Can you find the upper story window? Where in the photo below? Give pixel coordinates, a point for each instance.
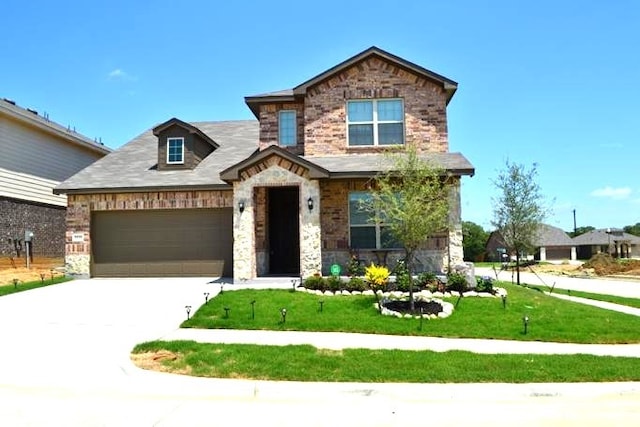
(175, 150)
(375, 122)
(287, 128)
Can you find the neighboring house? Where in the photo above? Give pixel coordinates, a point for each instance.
(551, 244)
(276, 196)
(611, 241)
(37, 154)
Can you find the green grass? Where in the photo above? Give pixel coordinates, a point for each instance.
(11, 289)
(306, 363)
(551, 319)
(631, 302)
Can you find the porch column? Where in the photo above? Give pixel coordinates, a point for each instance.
(244, 254)
(574, 256)
(310, 241)
(543, 253)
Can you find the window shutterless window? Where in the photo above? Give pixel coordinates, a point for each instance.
(363, 232)
(175, 150)
(375, 122)
(287, 127)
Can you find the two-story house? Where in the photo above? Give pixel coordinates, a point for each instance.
(276, 196)
(37, 154)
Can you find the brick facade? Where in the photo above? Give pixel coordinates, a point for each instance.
(269, 125)
(47, 223)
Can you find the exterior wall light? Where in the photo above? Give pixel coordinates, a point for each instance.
(241, 206)
(310, 203)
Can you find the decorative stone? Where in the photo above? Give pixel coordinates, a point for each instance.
(368, 292)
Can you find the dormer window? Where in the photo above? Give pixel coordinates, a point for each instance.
(374, 122)
(175, 151)
(287, 128)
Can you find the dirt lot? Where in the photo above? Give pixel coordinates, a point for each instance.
(17, 269)
(597, 266)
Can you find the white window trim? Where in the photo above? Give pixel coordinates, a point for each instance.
(375, 122)
(181, 162)
(377, 226)
(295, 128)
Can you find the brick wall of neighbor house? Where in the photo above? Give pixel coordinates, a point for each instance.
(334, 214)
(269, 125)
(325, 112)
(46, 222)
(80, 206)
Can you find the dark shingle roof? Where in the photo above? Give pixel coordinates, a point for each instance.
(370, 164)
(133, 166)
(552, 236)
(601, 237)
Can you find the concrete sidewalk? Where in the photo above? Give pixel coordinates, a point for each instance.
(339, 341)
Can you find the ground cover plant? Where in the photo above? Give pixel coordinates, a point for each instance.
(18, 286)
(549, 319)
(307, 363)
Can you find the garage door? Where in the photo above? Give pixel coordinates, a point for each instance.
(158, 243)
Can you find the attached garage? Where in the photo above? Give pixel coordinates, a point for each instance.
(160, 243)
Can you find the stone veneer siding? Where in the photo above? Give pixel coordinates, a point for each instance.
(434, 256)
(250, 257)
(46, 222)
(425, 109)
(80, 207)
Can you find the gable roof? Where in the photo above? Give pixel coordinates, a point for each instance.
(233, 173)
(133, 167)
(188, 127)
(602, 237)
(546, 236)
(287, 95)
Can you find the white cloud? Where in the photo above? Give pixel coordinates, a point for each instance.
(120, 74)
(612, 193)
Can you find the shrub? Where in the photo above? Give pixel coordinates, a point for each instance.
(334, 283)
(376, 276)
(355, 267)
(315, 282)
(484, 284)
(456, 282)
(356, 284)
(427, 279)
(403, 281)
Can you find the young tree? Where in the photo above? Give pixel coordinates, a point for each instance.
(518, 209)
(474, 241)
(411, 200)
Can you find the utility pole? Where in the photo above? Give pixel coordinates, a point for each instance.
(575, 229)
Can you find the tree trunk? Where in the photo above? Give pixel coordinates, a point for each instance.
(518, 267)
(408, 257)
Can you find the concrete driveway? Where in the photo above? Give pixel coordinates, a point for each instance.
(64, 361)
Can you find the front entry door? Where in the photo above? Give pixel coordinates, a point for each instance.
(284, 231)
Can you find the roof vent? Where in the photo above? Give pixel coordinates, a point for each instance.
(31, 110)
(10, 101)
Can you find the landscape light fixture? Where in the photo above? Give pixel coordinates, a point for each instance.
(241, 206)
(42, 276)
(15, 283)
(206, 297)
(321, 304)
(253, 309)
(283, 313)
(293, 284)
(525, 323)
(504, 301)
(226, 312)
(188, 309)
(310, 203)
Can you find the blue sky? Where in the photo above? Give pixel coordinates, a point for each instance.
(555, 83)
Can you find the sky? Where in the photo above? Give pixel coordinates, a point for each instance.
(553, 85)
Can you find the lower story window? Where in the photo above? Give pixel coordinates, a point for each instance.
(363, 231)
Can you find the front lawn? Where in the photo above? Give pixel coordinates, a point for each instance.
(307, 363)
(20, 286)
(550, 319)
